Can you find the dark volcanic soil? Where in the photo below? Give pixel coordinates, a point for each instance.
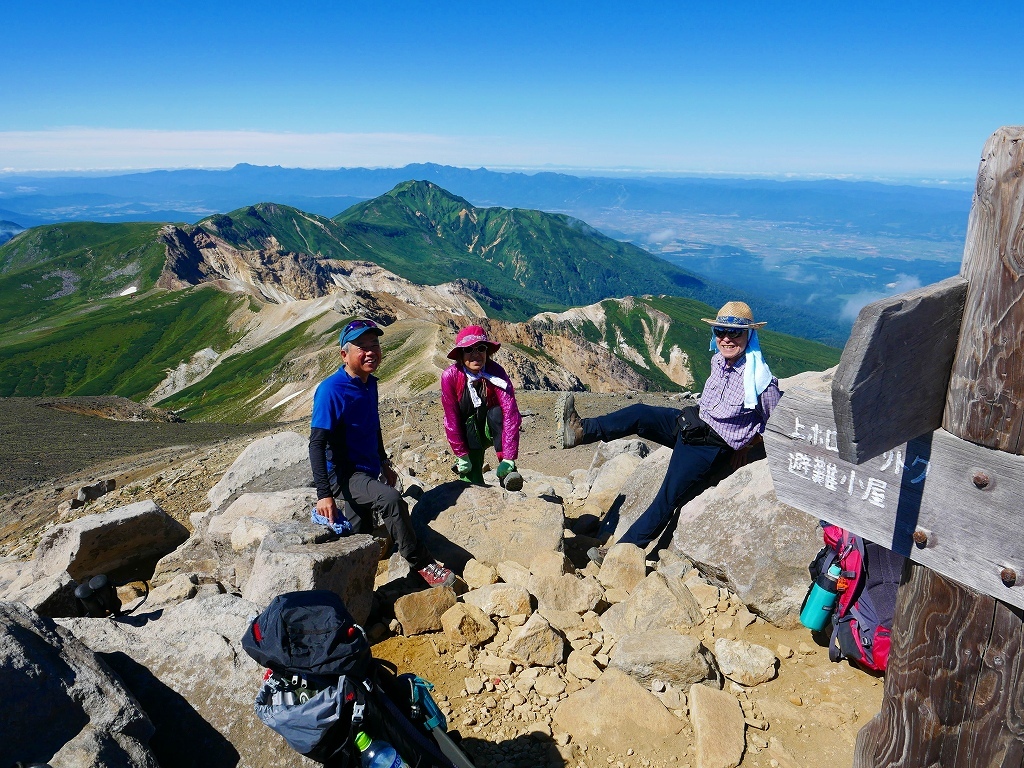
(46, 438)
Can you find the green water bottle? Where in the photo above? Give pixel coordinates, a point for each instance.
(821, 599)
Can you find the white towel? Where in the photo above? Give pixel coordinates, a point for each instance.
(471, 377)
(756, 375)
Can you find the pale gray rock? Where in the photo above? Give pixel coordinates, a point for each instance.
(608, 481)
(184, 586)
(273, 507)
(465, 624)
(62, 704)
(746, 663)
(494, 665)
(606, 452)
(563, 621)
(126, 538)
(477, 574)
(500, 600)
(273, 463)
(566, 592)
(707, 595)
(346, 566)
(657, 602)
(514, 573)
(535, 644)
(718, 725)
(50, 595)
(664, 654)
(624, 567)
(549, 685)
(763, 558)
(420, 612)
(550, 563)
(186, 667)
(620, 714)
(582, 665)
(458, 522)
(640, 488)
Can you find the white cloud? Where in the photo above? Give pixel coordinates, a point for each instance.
(855, 303)
(661, 236)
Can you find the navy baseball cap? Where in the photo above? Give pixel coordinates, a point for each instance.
(357, 328)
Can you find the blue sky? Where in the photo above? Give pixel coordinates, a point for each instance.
(863, 90)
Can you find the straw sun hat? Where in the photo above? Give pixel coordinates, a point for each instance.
(734, 314)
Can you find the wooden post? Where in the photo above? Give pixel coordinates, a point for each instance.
(954, 691)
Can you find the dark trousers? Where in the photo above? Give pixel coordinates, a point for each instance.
(688, 469)
(370, 503)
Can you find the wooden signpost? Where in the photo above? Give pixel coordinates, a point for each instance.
(873, 459)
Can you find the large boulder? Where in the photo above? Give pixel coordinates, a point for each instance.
(62, 704)
(742, 537)
(458, 522)
(345, 566)
(185, 665)
(640, 488)
(621, 715)
(657, 602)
(130, 538)
(273, 463)
(718, 727)
(664, 654)
(273, 507)
(612, 466)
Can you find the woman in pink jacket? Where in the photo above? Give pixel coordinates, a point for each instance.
(480, 409)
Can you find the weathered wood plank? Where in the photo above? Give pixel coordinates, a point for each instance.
(986, 388)
(954, 493)
(891, 382)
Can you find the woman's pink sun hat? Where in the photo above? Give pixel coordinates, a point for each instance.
(470, 336)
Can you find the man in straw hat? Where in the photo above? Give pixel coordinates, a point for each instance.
(737, 400)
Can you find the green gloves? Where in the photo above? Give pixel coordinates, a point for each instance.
(463, 465)
(505, 467)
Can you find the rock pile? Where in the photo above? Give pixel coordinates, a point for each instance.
(555, 656)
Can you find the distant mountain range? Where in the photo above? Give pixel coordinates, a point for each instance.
(190, 195)
(90, 308)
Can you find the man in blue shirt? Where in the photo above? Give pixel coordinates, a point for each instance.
(346, 452)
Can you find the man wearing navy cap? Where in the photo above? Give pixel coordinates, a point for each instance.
(346, 451)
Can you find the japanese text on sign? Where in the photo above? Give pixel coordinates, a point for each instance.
(839, 477)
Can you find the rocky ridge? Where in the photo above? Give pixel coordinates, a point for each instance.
(544, 660)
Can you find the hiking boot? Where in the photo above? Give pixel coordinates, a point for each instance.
(436, 575)
(570, 425)
(597, 554)
(513, 481)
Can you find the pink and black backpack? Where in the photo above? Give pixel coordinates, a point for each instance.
(862, 619)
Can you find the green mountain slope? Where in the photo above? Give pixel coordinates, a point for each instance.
(631, 325)
(48, 270)
(120, 346)
(429, 235)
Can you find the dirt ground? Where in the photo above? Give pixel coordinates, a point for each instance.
(813, 708)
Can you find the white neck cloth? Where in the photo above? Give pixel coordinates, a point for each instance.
(472, 377)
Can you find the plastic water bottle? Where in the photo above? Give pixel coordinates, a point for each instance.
(378, 753)
(821, 599)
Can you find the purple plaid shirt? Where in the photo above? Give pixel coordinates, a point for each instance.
(721, 403)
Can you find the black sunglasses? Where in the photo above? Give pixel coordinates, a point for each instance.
(481, 347)
(731, 333)
(355, 325)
